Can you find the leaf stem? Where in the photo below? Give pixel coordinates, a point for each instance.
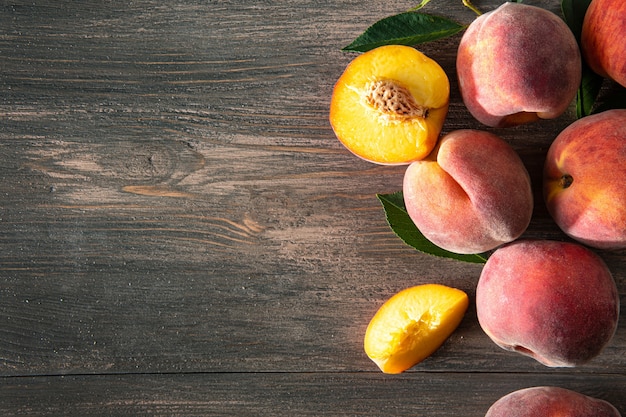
(469, 5)
(419, 6)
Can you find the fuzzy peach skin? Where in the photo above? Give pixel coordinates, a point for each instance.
(602, 38)
(471, 194)
(584, 186)
(548, 401)
(554, 301)
(517, 64)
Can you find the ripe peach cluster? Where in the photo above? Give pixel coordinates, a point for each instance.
(468, 191)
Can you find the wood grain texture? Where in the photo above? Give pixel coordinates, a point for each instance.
(182, 234)
(270, 394)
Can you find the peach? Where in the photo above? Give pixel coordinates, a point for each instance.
(389, 105)
(584, 188)
(554, 301)
(547, 401)
(472, 194)
(518, 64)
(412, 325)
(602, 39)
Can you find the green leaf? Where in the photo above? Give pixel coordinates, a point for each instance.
(588, 91)
(405, 229)
(409, 28)
(574, 15)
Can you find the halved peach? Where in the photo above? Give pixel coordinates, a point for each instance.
(389, 105)
(412, 325)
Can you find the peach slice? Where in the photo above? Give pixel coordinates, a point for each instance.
(412, 325)
(389, 105)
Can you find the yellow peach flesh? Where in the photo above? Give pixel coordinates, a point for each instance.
(389, 105)
(412, 325)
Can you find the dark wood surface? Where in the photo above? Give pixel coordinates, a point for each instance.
(182, 234)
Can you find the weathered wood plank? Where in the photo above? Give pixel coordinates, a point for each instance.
(253, 394)
(174, 201)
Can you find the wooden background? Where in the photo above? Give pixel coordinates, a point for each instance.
(182, 234)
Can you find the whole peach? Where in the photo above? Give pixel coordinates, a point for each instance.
(547, 401)
(584, 188)
(471, 194)
(602, 39)
(517, 64)
(554, 301)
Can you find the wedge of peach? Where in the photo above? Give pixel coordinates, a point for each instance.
(389, 105)
(412, 325)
